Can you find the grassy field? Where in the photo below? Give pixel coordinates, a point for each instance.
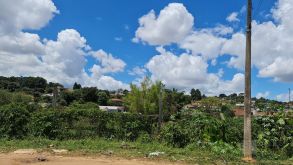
(90, 147)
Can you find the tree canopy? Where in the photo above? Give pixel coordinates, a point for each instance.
(195, 94)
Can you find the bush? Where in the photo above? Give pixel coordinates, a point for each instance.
(276, 133)
(201, 126)
(226, 110)
(9, 98)
(272, 135)
(175, 135)
(13, 121)
(222, 148)
(144, 137)
(75, 123)
(46, 124)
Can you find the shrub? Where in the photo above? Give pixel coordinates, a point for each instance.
(9, 98)
(202, 127)
(144, 137)
(13, 121)
(46, 124)
(275, 133)
(175, 135)
(222, 148)
(272, 135)
(75, 123)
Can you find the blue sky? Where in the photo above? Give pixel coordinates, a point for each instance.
(110, 26)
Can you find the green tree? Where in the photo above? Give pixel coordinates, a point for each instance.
(195, 94)
(68, 96)
(14, 97)
(211, 103)
(145, 99)
(103, 98)
(133, 100)
(222, 96)
(14, 119)
(89, 94)
(76, 86)
(32, 82)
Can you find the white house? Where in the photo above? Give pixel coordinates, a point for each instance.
(112, 108)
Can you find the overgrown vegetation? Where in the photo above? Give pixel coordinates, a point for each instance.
(185, 128)
(210, 127)
(145, 99)
(190, 154)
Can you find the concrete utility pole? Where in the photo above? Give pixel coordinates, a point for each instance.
(289, 105)
(289, 95)
(160, 108)
(247, 144)
(55, 97)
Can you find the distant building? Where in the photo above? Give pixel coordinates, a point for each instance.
(112, 108)
(240, 105)
(193, 105)
(116, 100)
(241, 94)
(239, 111)
(189, 106)
(48, 95)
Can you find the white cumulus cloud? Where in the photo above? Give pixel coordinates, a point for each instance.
(284, 97)
(204, 43)
(188, 71)
(109, 64)
(271, 45)
(233, 17)
(263, 95)
(172, 24)
(62, 60)
(16, 15)
(137, 71)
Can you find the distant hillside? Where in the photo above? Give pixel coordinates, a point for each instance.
(27, 84)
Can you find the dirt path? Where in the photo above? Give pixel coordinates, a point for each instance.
(32, 159)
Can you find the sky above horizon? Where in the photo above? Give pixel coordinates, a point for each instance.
(185, 44)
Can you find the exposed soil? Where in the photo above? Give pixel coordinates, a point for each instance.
(49, 159)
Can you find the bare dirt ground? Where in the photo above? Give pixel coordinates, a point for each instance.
(49, 159)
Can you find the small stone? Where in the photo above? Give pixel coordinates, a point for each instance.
(60, 151)
(109, 152)
(42, 158)
(156, 154)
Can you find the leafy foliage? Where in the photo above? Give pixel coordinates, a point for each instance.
(145, 99)
(195, 94)
(175, 135)
(213, 126)
(16, 97)
(76, 122)
(76, 86)
(276, 134)
(14, 119)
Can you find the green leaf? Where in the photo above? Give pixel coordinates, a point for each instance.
(281, 121)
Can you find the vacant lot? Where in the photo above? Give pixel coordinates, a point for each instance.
(101, 151)
(46, 159)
